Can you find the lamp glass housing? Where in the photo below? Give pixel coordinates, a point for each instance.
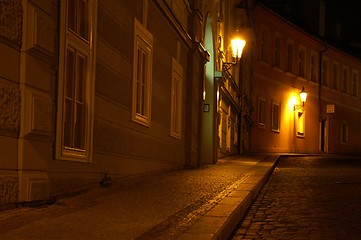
(303, 96)
(237, 47)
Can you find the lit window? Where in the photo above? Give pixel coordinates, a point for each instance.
(276, 116)
(176, 100)
(142, 74)
(76, 79)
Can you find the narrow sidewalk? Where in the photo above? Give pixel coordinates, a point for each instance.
(202, 203)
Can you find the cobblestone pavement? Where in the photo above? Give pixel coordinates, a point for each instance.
(307, 198)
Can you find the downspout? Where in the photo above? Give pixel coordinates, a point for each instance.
(320, 82)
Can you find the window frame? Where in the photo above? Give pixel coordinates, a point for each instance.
(143, 40)
(300, 123)
(276, 125)
(354, 83)
(325, 71)
(261, 112)
(277, 49)
(301, 61)
(176, 97)
(69, 39)
(289, 56)
(345, 79)
(314, 66)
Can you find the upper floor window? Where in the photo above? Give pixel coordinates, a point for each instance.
(301, 62)
(290, 57)
(262, 112)
(176, 100)
(142, 74)
(335, 75)
(354, 83)
(345, 73)
(314, 67)
(276, 116)
(325, 70)
(277, 51)
(76, 79)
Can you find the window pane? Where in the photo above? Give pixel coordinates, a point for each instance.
(68, 123)
(83, 19)
(72, 15)
(69, 81)
(139, 81)
(81, 67)
(79, 126)
(144, 77)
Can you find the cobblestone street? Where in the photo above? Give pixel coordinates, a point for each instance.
(307, 198)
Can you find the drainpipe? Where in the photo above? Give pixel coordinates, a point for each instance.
(320, 82)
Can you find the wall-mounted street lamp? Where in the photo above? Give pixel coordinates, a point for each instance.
(303, 97)
(237, 45)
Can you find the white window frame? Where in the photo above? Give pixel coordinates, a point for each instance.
(143, 41)
(85, 47)
(176, 100)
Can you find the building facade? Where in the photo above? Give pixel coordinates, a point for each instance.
(286, 60)
(102, 88)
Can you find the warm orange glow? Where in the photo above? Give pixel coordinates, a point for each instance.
(237, 47)
(303, 95)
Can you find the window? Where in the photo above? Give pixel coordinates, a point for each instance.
(277, 51)
(276, 116)
(301, 62)
(264, 45)
(354, 83)
(76, 79)
(344, 132)
(325, 72)
(176, 100)
(300, 123)
(313, 67)
(335, 75)
(345, 73)
(262, 112)
(289, 57)
(142, 74)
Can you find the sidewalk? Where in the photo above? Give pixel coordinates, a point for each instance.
(202, 203)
